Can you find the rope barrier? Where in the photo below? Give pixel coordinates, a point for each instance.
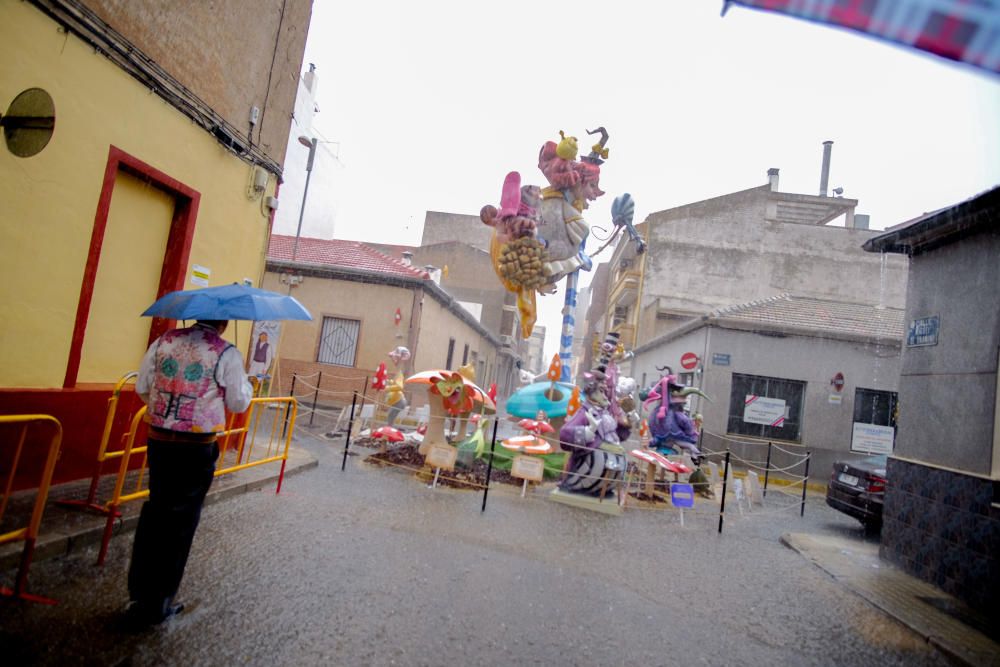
(629, 487)
(750, 464)
(789, 452)
(754, 443)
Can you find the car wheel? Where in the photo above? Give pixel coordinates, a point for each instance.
(872, 528)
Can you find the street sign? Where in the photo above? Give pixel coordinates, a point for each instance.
(682, 495)
(689, 360)
(720, 359)
(923, 331)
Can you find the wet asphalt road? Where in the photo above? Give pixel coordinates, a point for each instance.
(371, 567)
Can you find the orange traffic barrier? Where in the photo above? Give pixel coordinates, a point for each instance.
(29, 533)
(90, 502)
(240, 436)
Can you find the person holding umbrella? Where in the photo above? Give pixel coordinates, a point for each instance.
(188, 378)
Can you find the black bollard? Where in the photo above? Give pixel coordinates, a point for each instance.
(350, 425)
(725, 479)
(489, 466)
(767, 469)
(319, 381)
(805, 483)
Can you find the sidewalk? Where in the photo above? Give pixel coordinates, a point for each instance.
(65, 529)
(942, 620)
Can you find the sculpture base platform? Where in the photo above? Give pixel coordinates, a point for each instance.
(609, 505)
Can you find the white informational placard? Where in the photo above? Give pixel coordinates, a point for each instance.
(767, 411)
(200, 275)
(872, 438)
(442, 456)
(527, 467)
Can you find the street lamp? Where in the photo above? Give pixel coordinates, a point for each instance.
(311, 145)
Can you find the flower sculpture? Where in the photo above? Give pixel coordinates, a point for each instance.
(456, 396)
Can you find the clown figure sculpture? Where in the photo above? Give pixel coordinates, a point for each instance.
(593, 436)
(540, 233)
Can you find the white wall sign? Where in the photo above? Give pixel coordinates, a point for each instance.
(767, 411)
(200, 275)
(872, 438)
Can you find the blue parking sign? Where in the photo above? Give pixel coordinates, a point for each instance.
(682, 495)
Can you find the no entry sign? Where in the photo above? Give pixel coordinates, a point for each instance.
(689, 360)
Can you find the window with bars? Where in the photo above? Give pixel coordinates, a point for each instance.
(792, 392)
(872, 406)
(338, 343)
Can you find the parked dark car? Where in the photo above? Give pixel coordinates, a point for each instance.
(857, 488)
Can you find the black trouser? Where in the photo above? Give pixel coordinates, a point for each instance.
(179, 476)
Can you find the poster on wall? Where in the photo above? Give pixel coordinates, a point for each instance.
(763, 410)
(263, 346)
(872, 438)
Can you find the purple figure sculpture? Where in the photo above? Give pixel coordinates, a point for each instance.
(593, 436)
(669, 426)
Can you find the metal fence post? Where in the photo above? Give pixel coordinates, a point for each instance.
(725, 479)
(350, 425)
(489, 466)
(805, 483)
(291, 392)
(767, 469)
(319, 381)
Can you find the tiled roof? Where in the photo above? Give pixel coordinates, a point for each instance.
(337, 252)
(808, 314)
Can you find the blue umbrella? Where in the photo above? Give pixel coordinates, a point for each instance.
(228, 302)
(553, 397)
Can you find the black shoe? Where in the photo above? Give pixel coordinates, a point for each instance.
(141, 616)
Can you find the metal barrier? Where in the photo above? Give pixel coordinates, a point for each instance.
(29, 533)
(89, 503)
(241, 436)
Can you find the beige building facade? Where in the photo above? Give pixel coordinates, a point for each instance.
(743, 247)
(364, 305)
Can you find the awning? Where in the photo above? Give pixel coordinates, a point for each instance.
(964, 30)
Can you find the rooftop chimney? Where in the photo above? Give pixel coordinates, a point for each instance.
(407, 258)
(434, 273)
(772, 178)
(309, 78)
(861, 221)
(824, 176)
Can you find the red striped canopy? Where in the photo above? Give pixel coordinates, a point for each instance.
(964, 30)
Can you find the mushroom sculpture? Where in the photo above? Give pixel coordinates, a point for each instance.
(387, 434)
(531, 443)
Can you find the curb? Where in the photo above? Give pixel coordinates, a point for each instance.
(858, 566)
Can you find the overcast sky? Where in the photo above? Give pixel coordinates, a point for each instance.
(432, 103)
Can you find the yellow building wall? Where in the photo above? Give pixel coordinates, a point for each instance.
(50, 200)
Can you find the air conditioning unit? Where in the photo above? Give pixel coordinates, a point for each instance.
(507, 340)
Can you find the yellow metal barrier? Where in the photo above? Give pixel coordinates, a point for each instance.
(89, 503)
(240, 436)
(29, 533)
